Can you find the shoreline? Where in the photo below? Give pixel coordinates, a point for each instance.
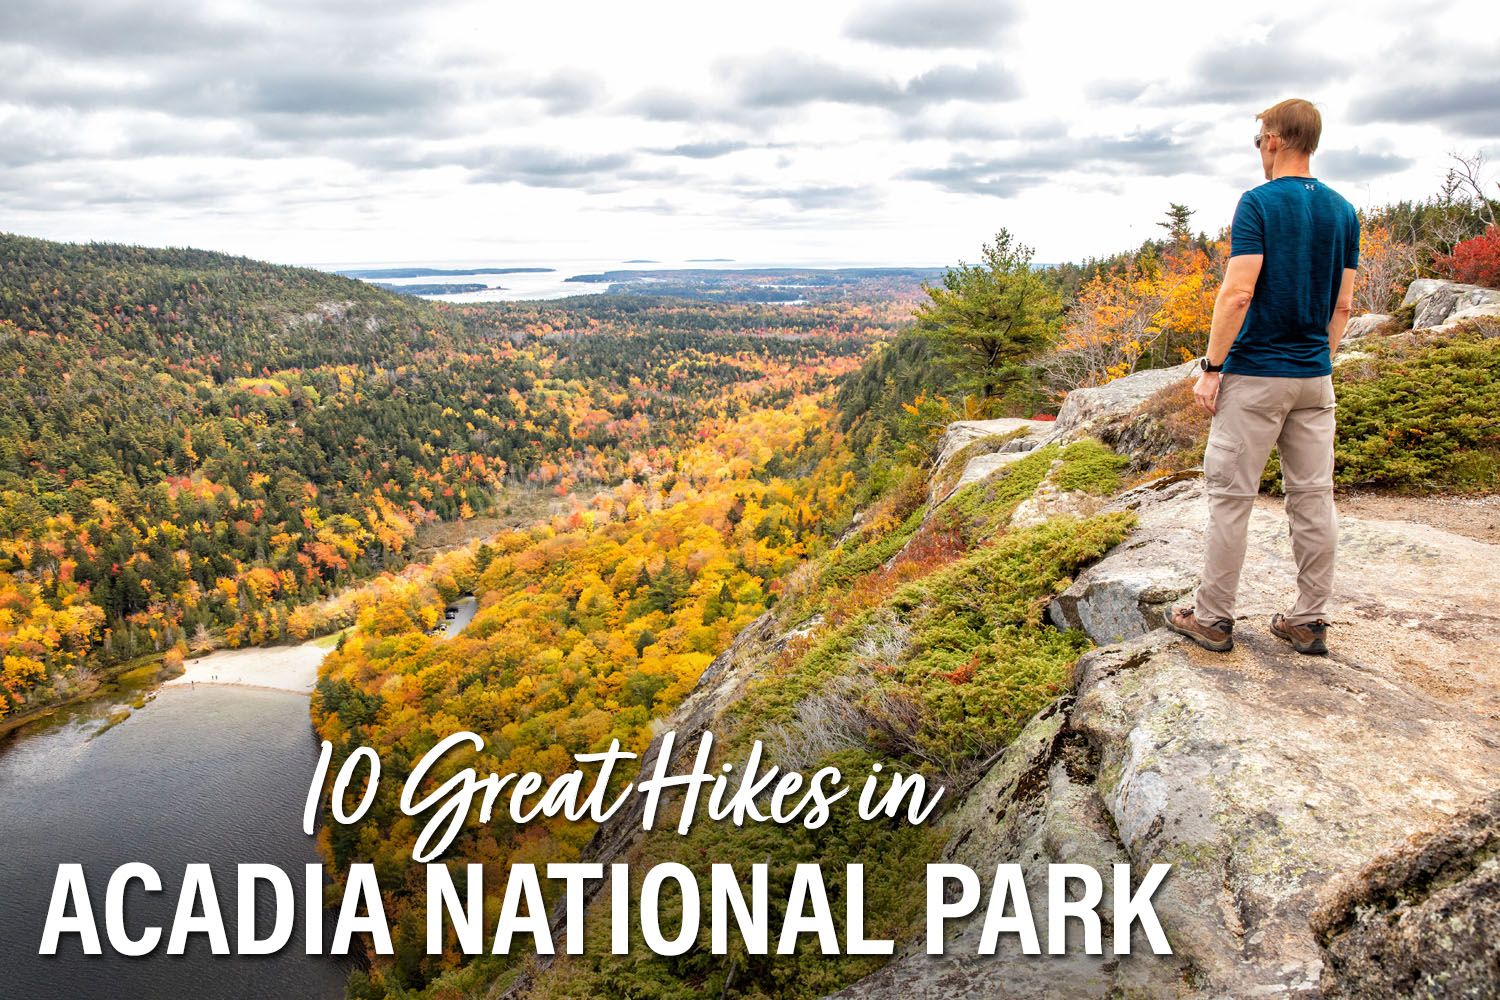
(276, 668)
(110, 683)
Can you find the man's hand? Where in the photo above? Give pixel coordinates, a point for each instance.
(1206, 391)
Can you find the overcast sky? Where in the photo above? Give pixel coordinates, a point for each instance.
(901, 131)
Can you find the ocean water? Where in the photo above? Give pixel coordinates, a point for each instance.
(554, 284)
(205, 774)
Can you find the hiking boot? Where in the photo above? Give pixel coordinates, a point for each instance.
(1218, 637)
(1311, 638)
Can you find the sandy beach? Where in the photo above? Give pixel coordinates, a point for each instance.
(283, 668)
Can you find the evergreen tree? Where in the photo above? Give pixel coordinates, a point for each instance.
(1178, 223)
(988, 319)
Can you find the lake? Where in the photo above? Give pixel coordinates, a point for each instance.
(200, 774)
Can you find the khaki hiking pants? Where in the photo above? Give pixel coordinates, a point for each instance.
(1254, 413)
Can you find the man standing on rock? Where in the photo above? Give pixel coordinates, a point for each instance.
(1268, 379)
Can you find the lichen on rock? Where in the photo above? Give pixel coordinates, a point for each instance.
(1420, 920)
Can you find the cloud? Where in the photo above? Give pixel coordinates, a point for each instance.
(329, 92)
(814, 197)
(193, 78)
(985, 82)
(1158, 151)
(174, 79)
(757, 93)
(1162, 150)
(968, 127)
(789, 79)
(565, 92)
(544, 167)
(239, 86)
(272, 95)
(1116, 90)
(1357, 165)
(94, 29)
(966, 174)
(786, 80)
(372, 119)
(79, 186)
(657, 206)
(1469, 105)
(933, 24)
(705, 150)
(1255, 70)
(31, 139)
(662, 105)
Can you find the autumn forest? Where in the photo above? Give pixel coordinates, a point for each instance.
(196, 448)
(200, 451)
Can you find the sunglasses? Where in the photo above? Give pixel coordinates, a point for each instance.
(1262, 135)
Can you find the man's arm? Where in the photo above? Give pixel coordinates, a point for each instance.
(1230, 307)
(1232, 303)
(1341, 312)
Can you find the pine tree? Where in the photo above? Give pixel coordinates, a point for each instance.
(989, 318)
(1178, 222)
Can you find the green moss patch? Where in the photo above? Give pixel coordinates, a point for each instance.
(949, 667)
(980, 510)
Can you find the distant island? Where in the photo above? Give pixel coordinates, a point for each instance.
(764, 284)
(437, 288)
(809, 275)
(640, 260)
(438, 272)
(707, 260)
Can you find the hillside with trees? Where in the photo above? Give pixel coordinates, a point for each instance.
(194, 446)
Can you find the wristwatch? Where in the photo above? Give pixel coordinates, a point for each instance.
(1207, 366)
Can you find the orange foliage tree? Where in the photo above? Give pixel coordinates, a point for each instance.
(1386, 267)
(590, 625)
(1149, 312)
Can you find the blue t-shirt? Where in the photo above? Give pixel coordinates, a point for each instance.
(1308, 234)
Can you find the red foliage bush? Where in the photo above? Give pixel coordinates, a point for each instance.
(1476, 261)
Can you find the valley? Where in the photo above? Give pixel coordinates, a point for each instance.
(849, 532)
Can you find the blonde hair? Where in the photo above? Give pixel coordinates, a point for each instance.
(1296, 122)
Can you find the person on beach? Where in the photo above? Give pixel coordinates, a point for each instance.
(1267, 379)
